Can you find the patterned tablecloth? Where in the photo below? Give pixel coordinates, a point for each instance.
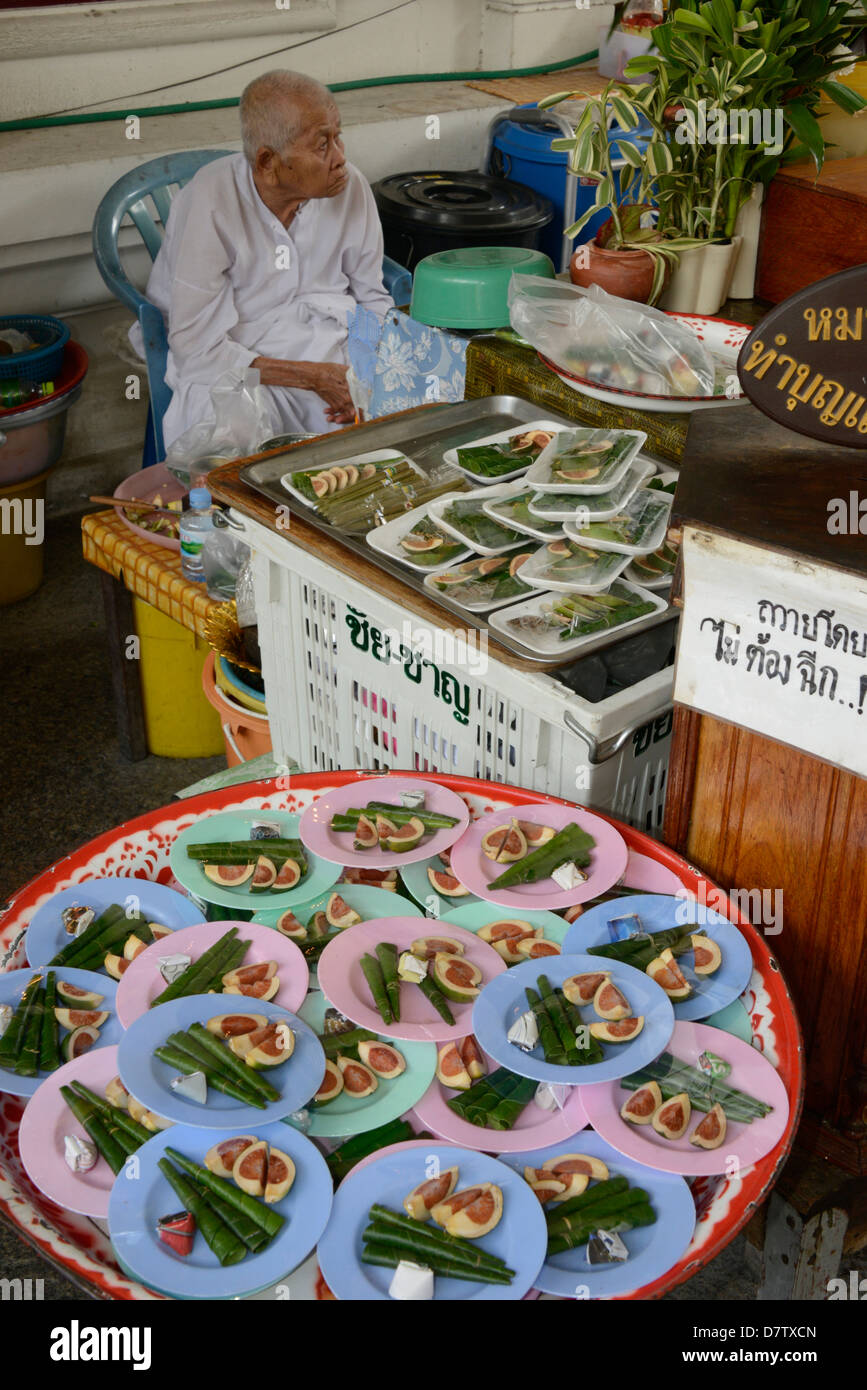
(150, 571)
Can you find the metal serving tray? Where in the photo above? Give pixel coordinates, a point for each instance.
(424, 436)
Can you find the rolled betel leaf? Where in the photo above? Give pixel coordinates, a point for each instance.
(386, 954)
(431, 992)
(12, 1040)
(87, 1115)
(224, 1243)
(49, 1051)
(267, 1218)
(376, 980)
(548, 1037)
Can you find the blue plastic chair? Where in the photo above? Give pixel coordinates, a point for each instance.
(156, 182)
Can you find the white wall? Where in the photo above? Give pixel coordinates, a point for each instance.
(95, 58)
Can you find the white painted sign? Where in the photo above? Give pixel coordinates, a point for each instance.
(775, 644)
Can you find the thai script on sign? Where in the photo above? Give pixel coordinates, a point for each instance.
(800, 381)
(817, 677)
(387, 647)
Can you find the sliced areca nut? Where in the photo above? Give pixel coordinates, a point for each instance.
(420, 1202)
(339, 913)
(585, 1164)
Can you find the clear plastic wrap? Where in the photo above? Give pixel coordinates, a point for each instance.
(612, 342)
(242, 420)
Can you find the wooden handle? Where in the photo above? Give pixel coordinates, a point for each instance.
(128, 502)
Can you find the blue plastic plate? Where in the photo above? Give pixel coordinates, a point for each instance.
(658, 913)
(136, 1204)
(46, 934)
(148, 1079)
(652, 1249)
(503, 1000)
(519, 1238)
(13, 984)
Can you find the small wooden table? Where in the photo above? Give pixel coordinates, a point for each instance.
(130, 565)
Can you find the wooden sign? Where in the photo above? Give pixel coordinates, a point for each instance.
(775, 644)
(805, 365)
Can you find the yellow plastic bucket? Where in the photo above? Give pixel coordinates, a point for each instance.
(179, 722)
(22, 524)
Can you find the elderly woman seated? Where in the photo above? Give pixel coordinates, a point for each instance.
(266, 254)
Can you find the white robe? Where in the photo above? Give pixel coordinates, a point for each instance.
(234, 284)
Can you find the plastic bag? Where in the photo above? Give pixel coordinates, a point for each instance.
(17, 342)
(242, 420)
(224, 554)
(614, 343)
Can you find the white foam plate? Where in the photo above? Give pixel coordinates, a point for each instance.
(387, 539)
(451, 455)
(548, 643)
(539, 475)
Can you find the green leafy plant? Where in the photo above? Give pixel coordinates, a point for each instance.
(764, 55)
(633, 224)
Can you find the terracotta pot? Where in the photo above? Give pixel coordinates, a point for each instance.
(628, 274)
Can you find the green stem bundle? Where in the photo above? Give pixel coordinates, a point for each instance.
(198, 973)
(12, 1040)
(386, 954)
(372, 971)
(266, 1218)
(183, 1062)
(227, 1247)
(96, 1129)
(673, 1076)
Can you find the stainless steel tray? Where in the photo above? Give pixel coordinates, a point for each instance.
(424, 437)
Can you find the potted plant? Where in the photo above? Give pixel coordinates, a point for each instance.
(770, 65)
(633, 252)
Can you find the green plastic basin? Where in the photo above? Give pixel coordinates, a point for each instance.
(469, 287)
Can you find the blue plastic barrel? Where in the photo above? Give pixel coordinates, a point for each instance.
(523, 153)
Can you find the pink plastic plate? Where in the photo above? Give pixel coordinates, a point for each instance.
(607, 866)
(145, 485)
(316, 833)
(47, 1120)
(341, 979)
(142, 982)
(535, 1127)
(746, 1143)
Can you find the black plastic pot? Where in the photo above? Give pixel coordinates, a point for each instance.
(430, 211)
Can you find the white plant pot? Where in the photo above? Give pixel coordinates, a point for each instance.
(700, 281)
(748, 226)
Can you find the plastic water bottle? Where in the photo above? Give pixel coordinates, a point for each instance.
(195, 523)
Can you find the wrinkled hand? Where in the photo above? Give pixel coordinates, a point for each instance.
(328, 380)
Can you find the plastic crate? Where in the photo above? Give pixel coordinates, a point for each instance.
(344, 690)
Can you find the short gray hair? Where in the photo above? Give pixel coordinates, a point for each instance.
(272, 109)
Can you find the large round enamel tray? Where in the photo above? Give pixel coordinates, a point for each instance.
(84, 1254)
